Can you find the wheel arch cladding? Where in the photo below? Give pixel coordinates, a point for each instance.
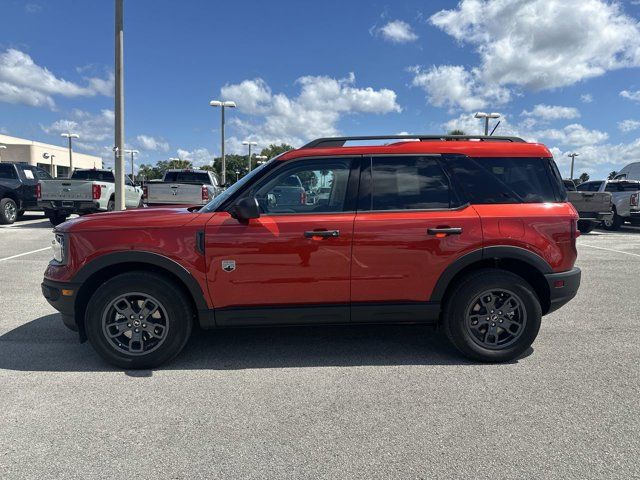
(95, 273)
(526, 264)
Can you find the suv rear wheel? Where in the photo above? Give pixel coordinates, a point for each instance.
(138, 320)
(492, 315)
(8, 211)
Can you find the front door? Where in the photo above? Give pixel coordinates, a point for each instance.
(410, 226)
(297, 254)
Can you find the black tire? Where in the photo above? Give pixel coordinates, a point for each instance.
(111, 205)
(461, 301)
(8, 211)
(586, 226)
(101, 316)
(614, 224)
(57, 218)
(140, 203)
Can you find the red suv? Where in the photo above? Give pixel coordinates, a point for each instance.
(470, 233)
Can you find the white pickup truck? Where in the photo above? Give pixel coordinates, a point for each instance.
(182, 187)
(624, 194)
(87, 191)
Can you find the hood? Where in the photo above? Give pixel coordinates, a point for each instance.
(131, 219)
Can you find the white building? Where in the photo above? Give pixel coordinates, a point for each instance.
(52, 158)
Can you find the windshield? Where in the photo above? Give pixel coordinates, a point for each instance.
(213, 205)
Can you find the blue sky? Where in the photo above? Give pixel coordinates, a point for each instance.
(561, 72)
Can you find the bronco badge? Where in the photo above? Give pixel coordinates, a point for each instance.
(228, 265)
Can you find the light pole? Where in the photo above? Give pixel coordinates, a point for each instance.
(260, 159)
(573, 159)
(246, 142)
(486, 117)
(119, 107)
(237, 175)
(2, 147)
(132, 153)
(51, 168)
(69, 136)
(222, 105)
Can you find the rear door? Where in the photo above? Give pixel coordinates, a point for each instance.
(409, 227)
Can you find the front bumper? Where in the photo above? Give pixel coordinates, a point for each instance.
(563, 287)
(62, 297)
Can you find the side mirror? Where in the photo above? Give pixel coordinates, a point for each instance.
(246, 209)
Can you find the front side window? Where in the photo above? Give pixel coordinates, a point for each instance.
(7, 172)
(505, 179)
(307, 186)
(409, 183)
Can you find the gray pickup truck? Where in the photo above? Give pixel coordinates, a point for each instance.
(594, 208)
(624, 196)
(182, 187)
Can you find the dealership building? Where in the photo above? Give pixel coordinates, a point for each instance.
(52, 158)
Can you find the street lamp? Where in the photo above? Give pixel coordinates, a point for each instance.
(573, 158)
(2, 147)
(237, 175)
(260, 159)
(222, 105)
(132, 153)
(486, 117)
(69, 136)
(46, 156)
(246, 142)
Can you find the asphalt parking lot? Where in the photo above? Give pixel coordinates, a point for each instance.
(325, 402)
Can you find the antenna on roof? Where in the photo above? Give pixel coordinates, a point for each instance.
(494, 128)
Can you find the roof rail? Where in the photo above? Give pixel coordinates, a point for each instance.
(340, 141)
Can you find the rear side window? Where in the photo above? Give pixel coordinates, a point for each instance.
(7, 172)
(507, 179)
(409, 183)
(93, 175)
(35, 172)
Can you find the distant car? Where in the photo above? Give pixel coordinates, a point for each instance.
(624, 196)
(593, 207)
(182, 187)
(87, 191)
(288, 192)
(18, 184)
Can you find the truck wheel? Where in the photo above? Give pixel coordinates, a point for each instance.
(613, 224)
(140, 203)
(585, 226)
(492, 315)
(111, 205)
(138, 320)
(8, 211)
(57, 218)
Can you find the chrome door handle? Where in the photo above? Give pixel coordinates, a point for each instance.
(445, 230)
(322, 233)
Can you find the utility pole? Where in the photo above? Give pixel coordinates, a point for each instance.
(69, 136)
(246, 142)
(573, 159)
(119, 107)
(486, 117)
(222, 105)
(132, 152)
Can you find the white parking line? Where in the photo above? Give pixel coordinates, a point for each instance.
(25, 253)
(609, 249)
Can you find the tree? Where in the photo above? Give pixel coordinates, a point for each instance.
(149, 172)
(612, 174)
(456, 132)
(584, 177)
(273, 150)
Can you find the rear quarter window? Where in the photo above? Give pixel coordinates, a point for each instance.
(508, 179)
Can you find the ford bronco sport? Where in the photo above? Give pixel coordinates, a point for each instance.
(470, 233)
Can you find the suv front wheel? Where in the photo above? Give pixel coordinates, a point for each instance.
(138, 320)
(492, 315)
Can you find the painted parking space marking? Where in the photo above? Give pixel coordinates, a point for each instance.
(25, 253)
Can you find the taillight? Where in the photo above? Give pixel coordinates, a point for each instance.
(633, 201)
(38, 191)
(205, 193)
(303, 198)
(145, 192)
(96, 192)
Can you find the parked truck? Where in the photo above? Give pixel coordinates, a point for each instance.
(18, 183)
(182, 187)
(87, 191)
(594, 208)
(624, 196)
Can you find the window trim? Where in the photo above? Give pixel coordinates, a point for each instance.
(350, 195)
(366, 178)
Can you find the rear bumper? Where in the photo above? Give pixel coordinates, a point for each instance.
(69, 206)
(562, 287)
(595, 216)
(63, 301)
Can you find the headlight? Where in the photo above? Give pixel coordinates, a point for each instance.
(58, 245)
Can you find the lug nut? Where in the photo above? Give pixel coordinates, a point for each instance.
(493, 324)
(129, 325)
(137, 330)
(132, 316)
(140, 317)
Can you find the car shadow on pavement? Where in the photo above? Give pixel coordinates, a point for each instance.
(45, 344)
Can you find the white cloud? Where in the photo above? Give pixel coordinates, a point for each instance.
(147, 142)
(631, 95)
(314, 112)
(629, 125)
(453, 86)
(23, 81)
(91, 128)
(396, 31)
(199, 156)
(586, 98)
(551, 112)
(574, 135)
(541, 44)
